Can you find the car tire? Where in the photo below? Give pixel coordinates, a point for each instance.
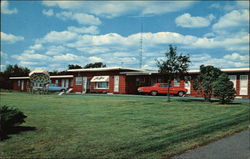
(63, 90)
(153, 93)
(181, 94)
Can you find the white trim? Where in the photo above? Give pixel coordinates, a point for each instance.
(102, 69)
(61, 76)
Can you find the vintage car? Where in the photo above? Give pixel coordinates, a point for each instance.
(162, 88)
(55, 88)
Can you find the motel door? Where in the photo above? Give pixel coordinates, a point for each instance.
(63, 83)
(188, 86)
(22, 85)
(67, 83)
(243, 84)
(84, 84)
(116, 83)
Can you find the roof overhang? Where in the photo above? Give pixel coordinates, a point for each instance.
(103, 69)
(60, 76)
(100, 79)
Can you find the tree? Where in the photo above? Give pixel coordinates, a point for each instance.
(223, 89)
(72, 66)
(174, 67)
(95, 65)
(204, 82)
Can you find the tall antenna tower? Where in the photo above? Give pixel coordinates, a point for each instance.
(141, 40)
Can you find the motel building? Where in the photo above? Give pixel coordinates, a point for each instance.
(118, 80)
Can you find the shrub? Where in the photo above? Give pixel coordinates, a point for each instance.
(223, 89)
(10, 117)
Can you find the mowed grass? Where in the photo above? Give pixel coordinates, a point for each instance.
(92, 126)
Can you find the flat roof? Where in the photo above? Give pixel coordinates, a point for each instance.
(102, 69)
(59, 76)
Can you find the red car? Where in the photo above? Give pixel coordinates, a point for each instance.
(162, 88)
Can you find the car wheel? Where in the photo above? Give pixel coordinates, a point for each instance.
(154, 93)
(181, 94)
(63, 90)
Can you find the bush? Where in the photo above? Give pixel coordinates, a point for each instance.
(223, 89)
(10, 118)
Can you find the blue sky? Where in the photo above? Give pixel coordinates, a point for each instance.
(50, 35)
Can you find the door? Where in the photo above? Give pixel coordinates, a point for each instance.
(63, 83)
(116, 83)
(243, 84)
(84, 84)
(188, 86)
(22, 85)
(67, 83)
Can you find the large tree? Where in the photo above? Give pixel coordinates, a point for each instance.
(95, 65)
(174, 67)
(204, 82)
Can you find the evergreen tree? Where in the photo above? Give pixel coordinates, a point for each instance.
(223, 89)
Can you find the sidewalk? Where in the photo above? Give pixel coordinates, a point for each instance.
(236, 146)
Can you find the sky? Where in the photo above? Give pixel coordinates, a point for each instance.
(50, 35)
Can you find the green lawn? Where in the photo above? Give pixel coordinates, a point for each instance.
(91, 126)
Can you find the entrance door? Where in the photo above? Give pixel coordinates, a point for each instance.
(116, 83)
(188, 86)
(243, 84)
(84, 84)
(63, 83)
(67, 83)
(22, 85)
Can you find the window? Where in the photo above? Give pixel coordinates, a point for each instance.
(56, 82)
(176, 83)
(164, 85)
(233, 79)
(78, 80)
(101, 85)
(18, 83)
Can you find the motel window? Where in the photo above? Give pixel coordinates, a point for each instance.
(71, 83)
(233, 79)
(56, 81)
(176, 83)
(101, 85)
(78, 80)
(18, 83)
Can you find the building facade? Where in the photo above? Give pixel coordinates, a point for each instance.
(118, 80)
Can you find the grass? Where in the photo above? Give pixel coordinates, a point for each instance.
(92, 126)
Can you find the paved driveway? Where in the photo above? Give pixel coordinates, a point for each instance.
(232, 147)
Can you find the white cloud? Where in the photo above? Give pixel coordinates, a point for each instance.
(81, 18)
(95, 59)
(236, 18)
(112, 9)
(84, 30)
(10, 38)
(227, 61)
(58, 37)
(48, 12)
(187, 21)
(30, 56)
(5, 8)
(55, 50)
(236, 56)
(65, 57)
(36, 47)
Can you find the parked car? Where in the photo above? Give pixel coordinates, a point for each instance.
(162, 88)
(55, 88)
